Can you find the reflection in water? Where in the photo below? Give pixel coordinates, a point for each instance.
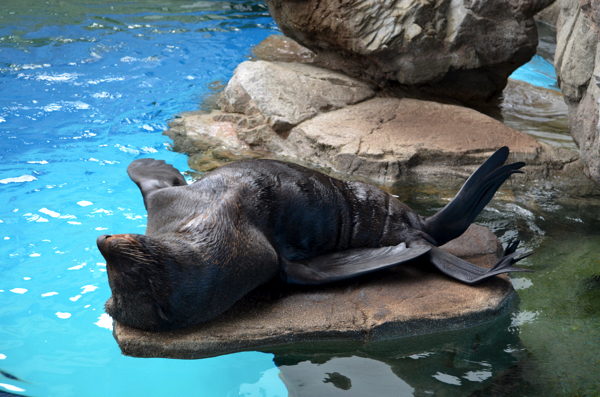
(520, 282)
(92, 85)
(268, 384)
(549, 342)
(338, 380)
(536, 111)
(449, 379)
(416, 366)
(343, 376)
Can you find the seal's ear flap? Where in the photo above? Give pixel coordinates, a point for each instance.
(151, 175)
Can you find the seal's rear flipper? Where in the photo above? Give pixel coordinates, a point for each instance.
(151, 175)
(476, 193)
(469, 273)
(349, 263)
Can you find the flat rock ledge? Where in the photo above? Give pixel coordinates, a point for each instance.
(409, 300)
(318, 117)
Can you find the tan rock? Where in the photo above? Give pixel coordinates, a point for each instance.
(408, 300)
(286, 94)
(307, 114)
(278, 48)
(384, 138)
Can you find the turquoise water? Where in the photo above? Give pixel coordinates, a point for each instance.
(87, 87)
(539, 72)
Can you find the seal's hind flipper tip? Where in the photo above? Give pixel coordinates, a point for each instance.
(469, 273)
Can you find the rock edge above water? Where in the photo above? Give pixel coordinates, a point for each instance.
(283, 106)
(409, 300)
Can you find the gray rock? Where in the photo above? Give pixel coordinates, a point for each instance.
(410, 300)
(577, 63)
(381, 139)
(286, 94)
(278, 48)
(461, 49)
(549, 15)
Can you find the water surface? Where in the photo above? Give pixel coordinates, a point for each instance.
(88, 86)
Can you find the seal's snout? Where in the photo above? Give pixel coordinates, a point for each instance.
(118, 244)
(102, 243)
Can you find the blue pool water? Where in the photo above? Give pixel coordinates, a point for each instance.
(538, 72)
(83, 96)
(87, 87)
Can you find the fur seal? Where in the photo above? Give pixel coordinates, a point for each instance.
(209, 243)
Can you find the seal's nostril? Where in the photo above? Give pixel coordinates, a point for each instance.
(102, 239)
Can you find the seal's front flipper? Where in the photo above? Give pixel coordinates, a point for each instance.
(469, 273)
(151, 175)
(349, 263)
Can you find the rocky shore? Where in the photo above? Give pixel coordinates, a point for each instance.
(387, 94)
(304, 113)
(577, 64)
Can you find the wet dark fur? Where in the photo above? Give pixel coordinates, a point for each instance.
(209, 243)
(226, 234)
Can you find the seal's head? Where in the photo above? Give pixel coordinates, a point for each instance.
(140, 277)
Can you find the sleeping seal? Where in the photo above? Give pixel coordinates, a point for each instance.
(210, 243)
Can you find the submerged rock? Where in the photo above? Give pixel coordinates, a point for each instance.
(460, 49)
(411, 299)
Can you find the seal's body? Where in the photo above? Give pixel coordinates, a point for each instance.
(209, 243)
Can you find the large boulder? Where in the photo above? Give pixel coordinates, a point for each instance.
(412, 299)
(460, 49)
(286, 94)
(344, 125)
(577, 63)
(385, 138)
(549, 15)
